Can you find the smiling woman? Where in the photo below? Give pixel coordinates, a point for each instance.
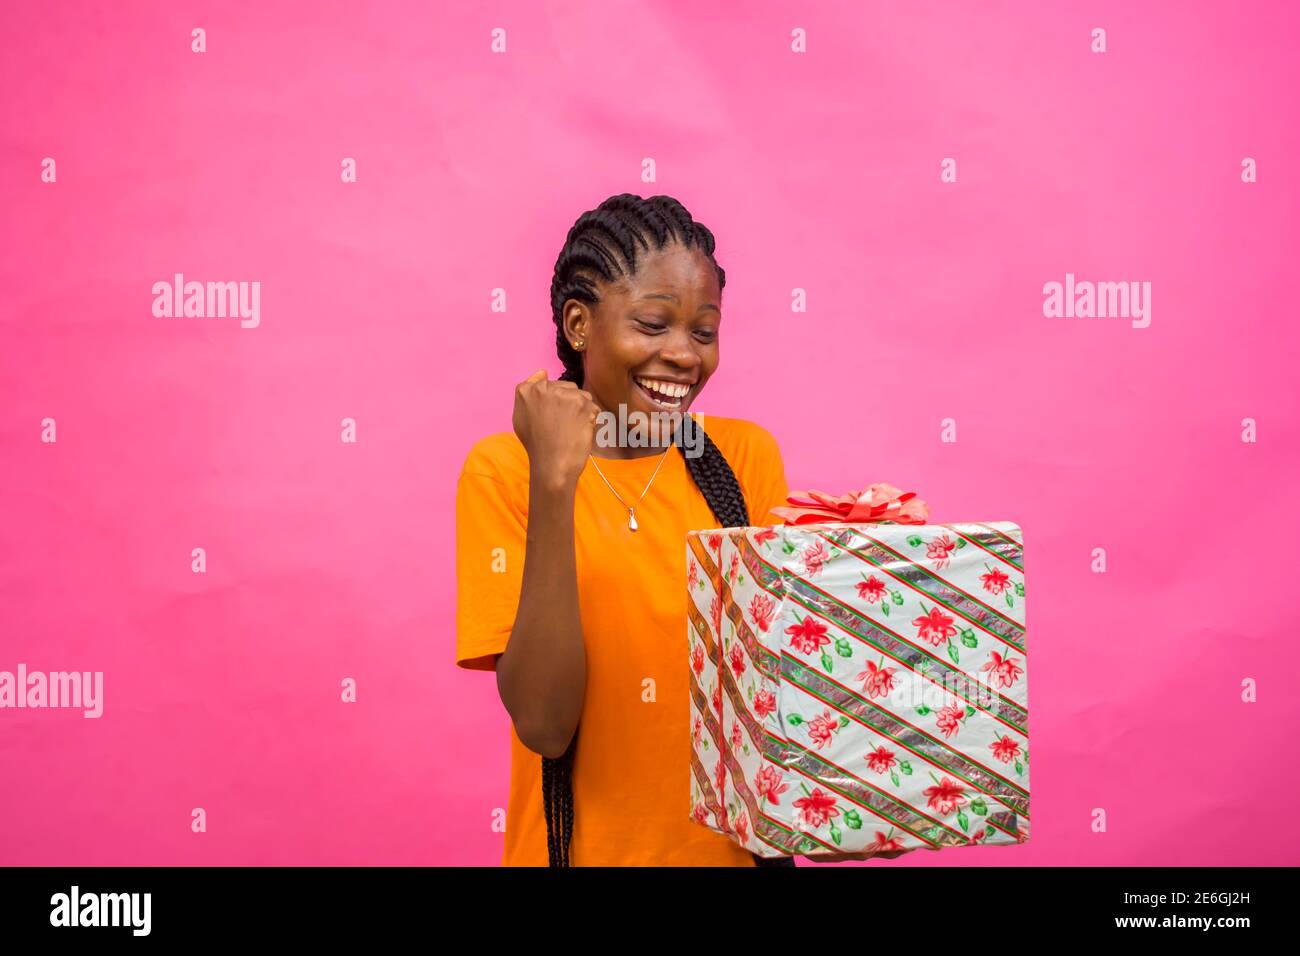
(584, 619)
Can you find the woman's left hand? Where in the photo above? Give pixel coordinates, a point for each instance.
(844, 857)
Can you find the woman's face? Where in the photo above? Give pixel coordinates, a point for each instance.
(652, 341)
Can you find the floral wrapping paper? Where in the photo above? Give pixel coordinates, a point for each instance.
(859, 687)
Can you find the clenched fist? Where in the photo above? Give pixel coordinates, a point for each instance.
(556, 421)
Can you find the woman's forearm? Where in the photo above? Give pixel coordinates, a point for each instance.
(542, 674)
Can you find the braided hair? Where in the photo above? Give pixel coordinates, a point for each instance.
(601, 247)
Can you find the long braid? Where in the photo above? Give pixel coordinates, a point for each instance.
(600, 248)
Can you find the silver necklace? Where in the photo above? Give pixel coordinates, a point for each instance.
(631, 509)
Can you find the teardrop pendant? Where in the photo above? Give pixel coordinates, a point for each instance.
(631, 519)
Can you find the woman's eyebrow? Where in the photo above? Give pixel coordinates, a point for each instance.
(672, 298)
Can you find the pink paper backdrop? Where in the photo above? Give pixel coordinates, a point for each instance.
(818, 171)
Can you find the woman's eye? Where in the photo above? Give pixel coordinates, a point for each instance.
(651, 325)
(706, 335)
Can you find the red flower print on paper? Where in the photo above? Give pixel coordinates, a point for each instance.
(821, 728)
(742, 826)
(813, 559)
(881, 760)
(940, 550)
(877, 681)
(692, 575)
(884, 843)
(764, 535)
(946, 797)
(715, 543)
(768, 785)
(720, 776)
(817, 808)
(697, 730)
(737, 739)
(700, 814)
(717, 699)
(949, 719)
(1005, 669)
(735, 566)
(808, 636)
(871, 590)
(737, 659)
(996, 581)
(1005, 749)
(761, 609)
(764, 703)
(934, 627)
(715, 614)
(697, 660)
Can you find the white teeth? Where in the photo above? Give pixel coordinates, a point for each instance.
(667, 389)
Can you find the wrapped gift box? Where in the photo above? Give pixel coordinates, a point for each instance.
(859, 686)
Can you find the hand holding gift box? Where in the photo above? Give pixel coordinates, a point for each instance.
(858, 679)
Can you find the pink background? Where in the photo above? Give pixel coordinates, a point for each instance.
(819, 171)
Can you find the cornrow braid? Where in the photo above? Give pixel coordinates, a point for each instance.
(601, 247)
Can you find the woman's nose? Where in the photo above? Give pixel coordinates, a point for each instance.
(679, 351)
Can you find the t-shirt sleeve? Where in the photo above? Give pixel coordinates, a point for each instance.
(768, 486)
(491, 533)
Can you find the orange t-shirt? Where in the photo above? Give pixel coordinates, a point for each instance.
(631, 769)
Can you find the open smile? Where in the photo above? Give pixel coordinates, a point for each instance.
(662, 392)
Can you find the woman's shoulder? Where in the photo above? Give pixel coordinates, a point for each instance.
(738, 435)
(500, 455)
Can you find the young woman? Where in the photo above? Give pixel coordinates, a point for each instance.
(571, 550)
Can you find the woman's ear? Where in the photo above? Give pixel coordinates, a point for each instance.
(576, 325)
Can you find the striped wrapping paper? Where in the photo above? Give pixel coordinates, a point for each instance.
(859, 687)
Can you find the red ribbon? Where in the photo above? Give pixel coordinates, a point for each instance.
(879, 502)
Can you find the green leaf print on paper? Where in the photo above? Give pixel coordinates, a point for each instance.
(979, 806)
(923, 710)
(826, 662)
(835, 834)
(906, 767)
(914, 540)
(933, 833)
(970, 710)
(896, 597)
(988, 830)
(1020, 768)
(952, 653)
(795, 720)
(961, 543)
(969, 639)
(963, 820)
(844, 722)
(788, 548)
(843, 647)
(1011, 601)
(853, 819)
(884, 609)
(1020, 589)
(894, 777)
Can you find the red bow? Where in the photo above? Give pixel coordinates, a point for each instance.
(878, 502)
